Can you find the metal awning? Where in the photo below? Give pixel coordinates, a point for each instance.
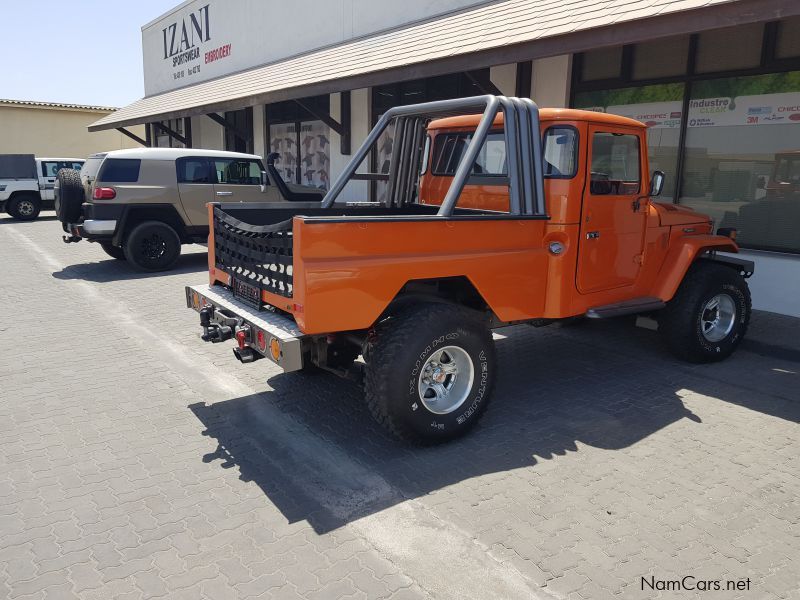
(490, 34)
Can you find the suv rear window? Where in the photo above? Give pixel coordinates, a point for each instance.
(119, 170)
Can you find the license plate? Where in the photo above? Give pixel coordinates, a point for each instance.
(247, 293)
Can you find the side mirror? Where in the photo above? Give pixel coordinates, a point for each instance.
(264, 181)
(657, 183)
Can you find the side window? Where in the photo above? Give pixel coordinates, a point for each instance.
(615, 164)
(560, 150)
(193, 170)
(119, 170)
(49, 169)
(237, 171)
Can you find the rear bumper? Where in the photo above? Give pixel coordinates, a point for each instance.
(96, 227)
(223, 310)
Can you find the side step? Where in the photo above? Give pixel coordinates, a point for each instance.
(629, 307)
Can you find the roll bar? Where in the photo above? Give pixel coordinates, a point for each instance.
(523, 150)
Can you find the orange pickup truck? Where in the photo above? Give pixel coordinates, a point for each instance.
(516, 215)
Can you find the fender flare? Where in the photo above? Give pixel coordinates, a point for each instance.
(684, 254)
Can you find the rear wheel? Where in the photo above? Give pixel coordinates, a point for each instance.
(152, 246)
(709, 315)
(113, 251)
(25, 207)
(430, 372)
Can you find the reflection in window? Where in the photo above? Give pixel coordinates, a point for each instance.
(742, 139)
(615, 164)
(237, 172)
(660, 108)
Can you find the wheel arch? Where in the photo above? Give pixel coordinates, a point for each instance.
(686, 253)
(24, 193)
(458, 290)
(138, 213)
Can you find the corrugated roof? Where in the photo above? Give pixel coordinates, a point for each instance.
(57, 105)
(470, 32)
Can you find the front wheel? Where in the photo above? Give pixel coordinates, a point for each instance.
(430, 372)
(152, 246)
(709, 315)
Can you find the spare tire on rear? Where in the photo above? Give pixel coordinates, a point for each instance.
(68, 195)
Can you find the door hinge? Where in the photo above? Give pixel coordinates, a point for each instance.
(639, 259)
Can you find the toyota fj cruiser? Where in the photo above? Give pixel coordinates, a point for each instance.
(515, 216)
(142, 204)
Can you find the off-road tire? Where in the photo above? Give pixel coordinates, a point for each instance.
(398, 351)
(113, 251)
(680, 323)
(24, 207)
(152, 246)
(68, 195)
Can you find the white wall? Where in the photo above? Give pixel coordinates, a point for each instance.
(207, 134)
(259, 143)
(775, 285)
(255, 32)
(505, 78)
(550, 81)
(355, 191)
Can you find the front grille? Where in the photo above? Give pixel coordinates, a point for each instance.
(260, 255)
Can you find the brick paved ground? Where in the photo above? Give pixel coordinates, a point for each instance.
(138, 462)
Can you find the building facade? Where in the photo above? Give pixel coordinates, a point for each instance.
(52, 129)
(716, 81)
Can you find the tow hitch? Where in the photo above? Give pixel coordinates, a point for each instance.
(214, 332)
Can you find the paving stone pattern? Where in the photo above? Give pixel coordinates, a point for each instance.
(139, 462)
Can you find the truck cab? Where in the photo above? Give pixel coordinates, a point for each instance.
(518, 215)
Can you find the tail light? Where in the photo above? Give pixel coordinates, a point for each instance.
(104, 193)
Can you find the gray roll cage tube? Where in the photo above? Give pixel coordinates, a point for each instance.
(523, 151)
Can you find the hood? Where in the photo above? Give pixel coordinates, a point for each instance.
(676, 214)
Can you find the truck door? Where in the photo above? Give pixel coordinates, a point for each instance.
(614, 211)
(196, 188)
(238, 180)
(48, 170)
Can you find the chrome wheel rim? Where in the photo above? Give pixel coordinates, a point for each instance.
(25, 208)
(445, 380)
(718, 317)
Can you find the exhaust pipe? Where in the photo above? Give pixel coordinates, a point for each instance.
(246, 354)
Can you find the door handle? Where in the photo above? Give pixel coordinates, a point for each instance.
(224, 193)
(636, 204)
(592, 235)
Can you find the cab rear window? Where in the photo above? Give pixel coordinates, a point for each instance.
(560, 148)
(119, 170)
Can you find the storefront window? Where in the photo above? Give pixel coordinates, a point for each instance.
(163, 139)
(301, 141)
(742, 139)
(729, 49)
(788, 44)
(657, 106)
(243, 120)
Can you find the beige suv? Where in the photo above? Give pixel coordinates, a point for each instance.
(142, 204)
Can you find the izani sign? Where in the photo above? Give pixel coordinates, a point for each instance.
(183, 40)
